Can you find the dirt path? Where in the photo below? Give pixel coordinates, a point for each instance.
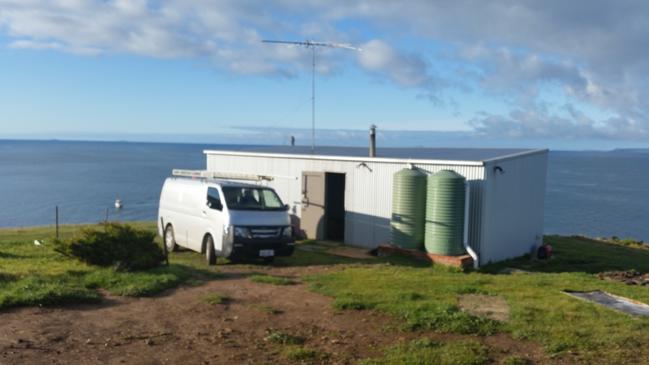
(180, 327)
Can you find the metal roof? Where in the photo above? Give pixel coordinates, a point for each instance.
(464, 156)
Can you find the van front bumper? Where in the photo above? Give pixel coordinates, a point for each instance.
(249, 248)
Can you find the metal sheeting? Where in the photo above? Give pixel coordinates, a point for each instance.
(513, 210)
(368, 198)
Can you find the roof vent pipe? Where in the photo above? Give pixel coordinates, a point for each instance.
(373, 140)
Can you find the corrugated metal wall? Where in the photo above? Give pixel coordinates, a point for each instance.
(368, 195)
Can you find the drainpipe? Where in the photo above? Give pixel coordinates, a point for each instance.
(373, 140)
(472, 253)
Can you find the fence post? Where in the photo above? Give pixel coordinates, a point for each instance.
(56, 210)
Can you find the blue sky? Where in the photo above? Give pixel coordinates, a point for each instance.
(512, 73)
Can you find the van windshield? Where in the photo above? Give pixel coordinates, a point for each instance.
(250, 198)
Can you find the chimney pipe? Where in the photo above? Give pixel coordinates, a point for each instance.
(373, 140)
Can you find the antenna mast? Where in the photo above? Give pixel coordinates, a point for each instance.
(313, 45)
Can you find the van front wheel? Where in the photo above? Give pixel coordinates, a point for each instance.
(210, 255)
(170, 240)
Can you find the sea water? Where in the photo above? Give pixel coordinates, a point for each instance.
(590, 193)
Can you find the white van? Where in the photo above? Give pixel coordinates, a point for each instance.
(224, 218)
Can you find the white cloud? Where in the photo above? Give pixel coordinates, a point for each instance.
(406, 70)
(29, 44)
(594, 51)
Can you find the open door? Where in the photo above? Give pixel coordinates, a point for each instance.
(313, 204)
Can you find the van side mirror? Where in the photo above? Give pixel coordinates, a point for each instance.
(287, 207)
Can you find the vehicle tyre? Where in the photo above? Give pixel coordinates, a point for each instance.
(210, 254)
(170, 239)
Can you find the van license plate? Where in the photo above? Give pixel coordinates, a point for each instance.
(266, 253)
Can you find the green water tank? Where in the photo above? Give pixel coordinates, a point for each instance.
(445, 199)
(408, 208)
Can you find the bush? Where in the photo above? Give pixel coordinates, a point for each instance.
(113, 244)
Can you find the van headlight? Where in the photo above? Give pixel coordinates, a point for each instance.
(242, 232)
(287, 232)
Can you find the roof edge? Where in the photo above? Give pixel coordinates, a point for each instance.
(516, 155)
(343, 158)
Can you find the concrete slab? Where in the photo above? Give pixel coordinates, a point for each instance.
(622, 304)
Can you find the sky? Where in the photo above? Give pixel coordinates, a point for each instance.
(503, 73)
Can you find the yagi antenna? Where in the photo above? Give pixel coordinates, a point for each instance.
(313, 45)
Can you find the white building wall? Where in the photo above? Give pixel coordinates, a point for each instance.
(368, 195)
(513, 206)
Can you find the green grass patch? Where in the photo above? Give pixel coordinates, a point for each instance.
(425, 351)
(283, 338)
(270, 279)
(352, 303)
(581, 254)
(38, 275)
(539, 311)
(305, 354)
(45, 291)
(450, 319)
(515, 360)
(216, 298)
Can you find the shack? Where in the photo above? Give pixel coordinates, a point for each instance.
(336, 193)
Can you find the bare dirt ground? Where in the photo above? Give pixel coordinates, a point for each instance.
(630, 277)
(180, 327)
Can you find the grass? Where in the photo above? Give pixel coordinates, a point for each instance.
(425, 351)
(270, 279)
(302, 353)
(584, 255)
(515, 360)
(351, 302)
(36, 275)
(423, 298)
(539, 311)
(283, 338)
(293, 346)
(215, 298)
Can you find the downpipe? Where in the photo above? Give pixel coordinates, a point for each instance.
(472, 253)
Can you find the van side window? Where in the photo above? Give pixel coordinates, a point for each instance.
(214, 199)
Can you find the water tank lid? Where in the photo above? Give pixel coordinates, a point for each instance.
(410, 172)
(447, 174)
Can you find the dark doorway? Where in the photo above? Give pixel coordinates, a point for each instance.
(335, 206)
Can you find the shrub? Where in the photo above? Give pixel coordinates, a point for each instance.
(113, 244)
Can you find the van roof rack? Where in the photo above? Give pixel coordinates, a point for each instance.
(219, 175)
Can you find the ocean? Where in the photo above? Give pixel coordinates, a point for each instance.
(589, 193)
